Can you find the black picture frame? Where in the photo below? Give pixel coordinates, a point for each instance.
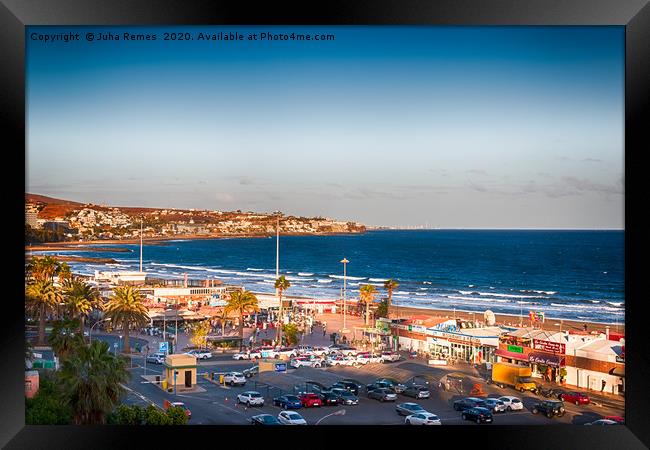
(16, 14)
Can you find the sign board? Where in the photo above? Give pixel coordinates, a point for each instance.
(280, 367)
(547, 346)
(163, 347)
(515, 348)
(536, 316)
(266, 353)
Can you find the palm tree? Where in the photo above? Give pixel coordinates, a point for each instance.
(43, 297)
(80, 299)
(44, 268)
(125, 308)
(65, 337)
(64, 273)
(92, 382)
(367, 294)
(390, 286)
(281, 284)
(242, 302)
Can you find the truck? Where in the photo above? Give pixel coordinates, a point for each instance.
(513, 375)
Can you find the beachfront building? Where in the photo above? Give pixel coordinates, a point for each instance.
(592, 359)
(120, 277)
(542, 350)
(446, 338)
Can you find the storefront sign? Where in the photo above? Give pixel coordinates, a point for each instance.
(515, 348)
(280, 367)
(550, 347)
(548, 360)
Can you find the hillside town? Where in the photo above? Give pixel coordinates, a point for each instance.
(60, 220)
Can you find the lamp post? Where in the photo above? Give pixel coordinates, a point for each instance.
(345, 263)
(90, 338)
(340, 412)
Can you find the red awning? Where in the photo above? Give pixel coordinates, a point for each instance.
(511, 355)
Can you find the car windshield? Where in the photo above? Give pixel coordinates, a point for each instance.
(292, 398)
(413, 407)
(268, 419)
(525, 380)
(294, 416)
(515, 400)
(254, 394)
(237, 374)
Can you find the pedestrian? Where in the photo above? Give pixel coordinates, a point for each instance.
(603, 386)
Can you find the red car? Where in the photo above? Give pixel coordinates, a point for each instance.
(618, 419)
(309, 400)
(575, 397)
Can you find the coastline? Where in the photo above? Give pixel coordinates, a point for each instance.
(508, 319)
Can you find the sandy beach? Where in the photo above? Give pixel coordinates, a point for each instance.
(506, 319)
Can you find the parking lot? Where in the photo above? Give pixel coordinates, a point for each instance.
(216, 404)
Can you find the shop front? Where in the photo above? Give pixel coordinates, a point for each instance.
(546, 366)
(475, 346)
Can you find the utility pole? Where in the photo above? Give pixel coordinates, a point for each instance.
(345, 262)
(277, 275)
(140, 244)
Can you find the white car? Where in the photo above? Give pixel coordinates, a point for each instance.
(512, 403)
(291, 418)
(240, 356)
(288, 352)
(305, 361)
(390, 356)
(156, 358)
(341, 360)
(251, 398)
(302, 349)
(200, 354)
(423, 418)
(234, 378)
(319, 351)
(365, 358)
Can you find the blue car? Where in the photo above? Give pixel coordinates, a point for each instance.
(288, 402)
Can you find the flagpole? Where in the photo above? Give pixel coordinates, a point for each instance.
(140, 244)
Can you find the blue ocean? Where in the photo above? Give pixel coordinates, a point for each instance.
(575, 275)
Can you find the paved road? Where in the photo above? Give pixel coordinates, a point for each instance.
(217, 405)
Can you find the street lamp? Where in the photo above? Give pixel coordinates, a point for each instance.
(108, 319)
(345, 262)
(340, 412)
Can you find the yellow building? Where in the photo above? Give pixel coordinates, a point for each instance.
(184, 366)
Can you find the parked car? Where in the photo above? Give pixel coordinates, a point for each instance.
(406, 409)
(248, 373)
(390, 356)
(241, 355)
(254, 354)
(495, 405)
(550, 408)
(346, 397)
(319, 351)
(302, 349)
(417, 391)
(330, 398)
(512, 403)
(341, 360)
(263, 352)
(167, 404)
(575, 397)
(366, 358)
(305, 361)
(234, 378)
(618, 419)
(343, 349)
(264, 419)
(291, 418)
(156, 358)
(383, 395)
(352, 381)
(478, 414)
(603, 422)
(288, 352)
(288, 402)
(309, 400)
(467, 403)
(347, 385)
(394, 384)
(200, 354)
(379, 385)
(251, 398)
(423, 418)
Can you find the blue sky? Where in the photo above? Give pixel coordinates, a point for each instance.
(459, 127)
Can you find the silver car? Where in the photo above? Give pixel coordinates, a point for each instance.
(495, 405)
